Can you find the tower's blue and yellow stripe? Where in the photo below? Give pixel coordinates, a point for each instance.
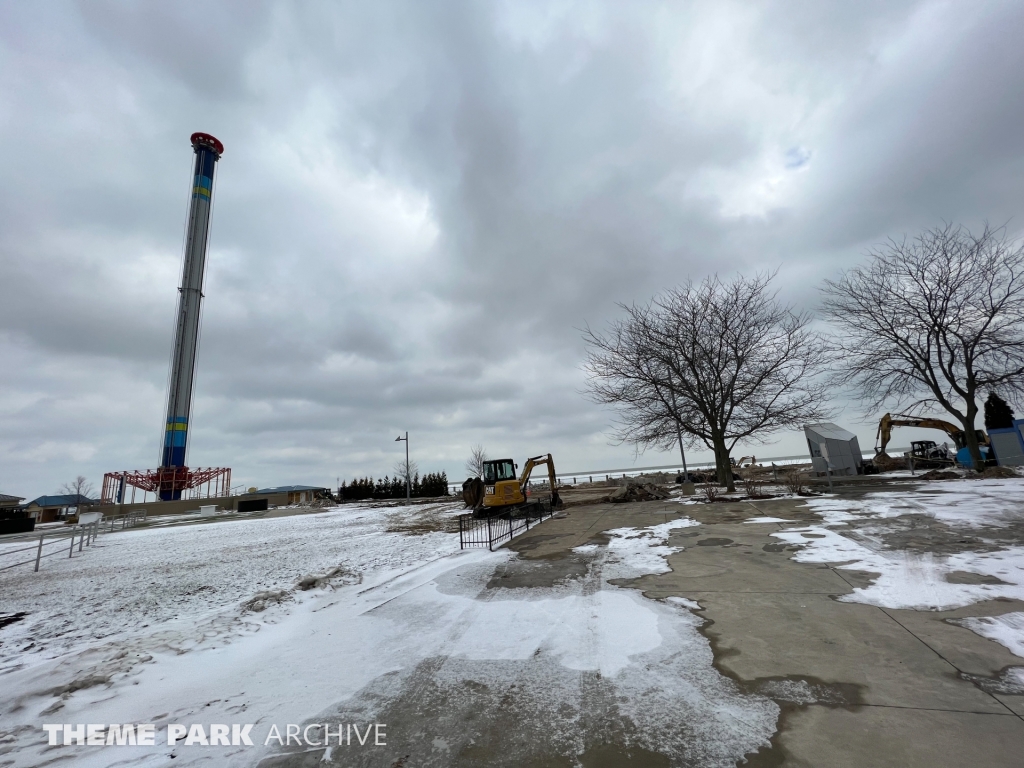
(175, 437)
(203, 185)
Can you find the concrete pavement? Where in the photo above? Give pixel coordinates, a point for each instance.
(856, 685)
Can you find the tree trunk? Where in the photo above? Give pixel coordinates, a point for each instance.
(722, 464)
(971, 437)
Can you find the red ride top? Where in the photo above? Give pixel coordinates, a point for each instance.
(206, 140)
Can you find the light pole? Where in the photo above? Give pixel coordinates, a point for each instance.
(688, 489)
(408, 480)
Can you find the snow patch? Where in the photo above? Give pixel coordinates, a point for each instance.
(692, 605)
(636, 552)
(960, 503)
(1007, 629)
(917, 580)
(176, 578)
(600, 632)
(909, 579)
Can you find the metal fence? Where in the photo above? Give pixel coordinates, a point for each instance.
(491, 531)
(38, 545)
(126, 520)
(31, 548)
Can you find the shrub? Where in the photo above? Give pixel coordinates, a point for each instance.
(711, 491)
(753, 487)
(795, 482)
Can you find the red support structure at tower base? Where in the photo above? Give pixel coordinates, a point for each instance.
(198, 483)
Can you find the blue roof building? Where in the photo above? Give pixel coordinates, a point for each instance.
(46, 509)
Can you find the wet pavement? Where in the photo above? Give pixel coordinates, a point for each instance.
(842, 683)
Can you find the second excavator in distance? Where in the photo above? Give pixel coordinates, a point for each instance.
(925, 450)
(499, 490)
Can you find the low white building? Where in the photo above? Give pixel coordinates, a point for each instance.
(830, 444)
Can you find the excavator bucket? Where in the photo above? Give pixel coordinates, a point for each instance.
(473, 492)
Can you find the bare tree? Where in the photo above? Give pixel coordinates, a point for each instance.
(475, 462)
(399, 470)
(933, 321)
(80, 488)
(720, 362)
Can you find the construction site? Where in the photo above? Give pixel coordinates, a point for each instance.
(836, 607)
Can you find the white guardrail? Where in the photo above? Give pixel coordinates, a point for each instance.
(56, 541)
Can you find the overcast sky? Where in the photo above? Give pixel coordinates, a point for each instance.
(420, 204)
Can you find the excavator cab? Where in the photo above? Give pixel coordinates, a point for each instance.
(501, 469)
(501, 487)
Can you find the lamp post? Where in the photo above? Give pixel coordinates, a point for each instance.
(408, 480)
(688, 489)
(679, 436)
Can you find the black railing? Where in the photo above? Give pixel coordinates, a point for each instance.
(494, 530)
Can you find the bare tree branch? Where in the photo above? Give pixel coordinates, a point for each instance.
(398, 470)
(475, 462)
(80, 488)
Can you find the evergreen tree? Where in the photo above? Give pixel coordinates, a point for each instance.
(433, 484)
(357, 490)
(998, 414)
(430, 485)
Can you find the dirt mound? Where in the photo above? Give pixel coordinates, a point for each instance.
(339, 574)
(634, 491)
(262, 600)
(885, 463)
(996, 473)
(940, 474)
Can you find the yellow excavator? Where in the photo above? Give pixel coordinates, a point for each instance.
(499, 490)
(885, 426)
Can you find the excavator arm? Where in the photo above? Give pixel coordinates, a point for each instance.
(528, 468)
(884, 433)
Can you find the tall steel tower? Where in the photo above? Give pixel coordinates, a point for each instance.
(173, 473)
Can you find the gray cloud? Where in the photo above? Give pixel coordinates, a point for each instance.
(420, 204)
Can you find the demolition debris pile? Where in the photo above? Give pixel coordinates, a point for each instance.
(634, 490)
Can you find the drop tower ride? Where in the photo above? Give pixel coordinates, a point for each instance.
(173, 470)
(173, 478)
